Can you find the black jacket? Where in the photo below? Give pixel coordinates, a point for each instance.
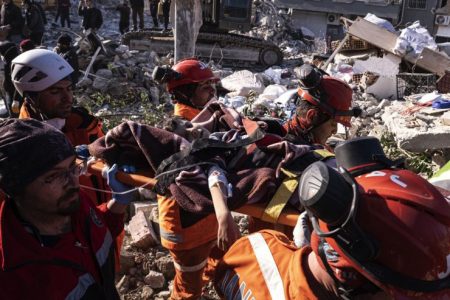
(10, 14)
(33, 19)
(92, 17)
(137, 3)
(71, 56)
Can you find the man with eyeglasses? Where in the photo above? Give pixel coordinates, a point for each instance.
(44, 79)
(54, 243)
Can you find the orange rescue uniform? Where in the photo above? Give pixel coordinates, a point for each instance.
(193, 249)
(264, 265)
(82, 128)
(185, 111)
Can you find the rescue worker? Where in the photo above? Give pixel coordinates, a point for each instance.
(55, 243)
(380, 240)
(192, 88)
(49, 98)
(322, 101)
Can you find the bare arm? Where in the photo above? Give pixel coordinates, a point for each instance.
(228, 231)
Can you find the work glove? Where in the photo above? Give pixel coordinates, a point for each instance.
(302, 231)
(118, 187)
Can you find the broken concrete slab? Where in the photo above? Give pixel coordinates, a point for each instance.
(413, 134)
(242, 82)
(387, 68)
(141, 231)
(144, 206)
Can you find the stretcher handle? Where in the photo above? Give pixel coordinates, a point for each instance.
(136, 179)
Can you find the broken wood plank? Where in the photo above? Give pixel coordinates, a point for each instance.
(373, 34)
(429, 60)
(433, 61)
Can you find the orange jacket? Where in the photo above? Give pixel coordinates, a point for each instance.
(240, 273)
(80, 128)
(176, 237)
(185, 111)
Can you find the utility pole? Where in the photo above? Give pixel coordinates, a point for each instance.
(188, 20)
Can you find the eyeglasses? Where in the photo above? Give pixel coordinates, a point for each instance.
(63, 177)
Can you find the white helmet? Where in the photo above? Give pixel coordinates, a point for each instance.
(37, 69)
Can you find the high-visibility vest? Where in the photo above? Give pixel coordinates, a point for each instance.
(264, 265)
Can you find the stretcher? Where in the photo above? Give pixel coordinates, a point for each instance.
(288, 216)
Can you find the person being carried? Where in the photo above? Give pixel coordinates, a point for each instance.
(47, 225)
(350, 255)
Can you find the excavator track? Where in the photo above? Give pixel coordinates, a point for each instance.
(227, 49)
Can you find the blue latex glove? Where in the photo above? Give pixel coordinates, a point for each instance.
(128, 169)
(118, 187)
(82, 151)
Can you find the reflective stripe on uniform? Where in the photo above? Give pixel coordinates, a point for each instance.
(170, 236)
(84, 282)
(103, 252)
(190, 268)
(267, 266)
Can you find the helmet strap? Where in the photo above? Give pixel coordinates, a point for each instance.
(33, 99)
(344, 291)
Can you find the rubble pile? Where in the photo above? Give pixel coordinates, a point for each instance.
(274, 24)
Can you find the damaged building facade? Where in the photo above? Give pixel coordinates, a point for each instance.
(323, 17)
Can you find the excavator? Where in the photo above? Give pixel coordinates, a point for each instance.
(214, 40)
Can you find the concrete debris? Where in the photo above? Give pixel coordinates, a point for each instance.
(242, 82)
(141, 230)
(147, 293)
(155, 280)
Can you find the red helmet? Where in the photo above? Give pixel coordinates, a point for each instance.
(192, 71)
(400, 237)
(333, 97)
